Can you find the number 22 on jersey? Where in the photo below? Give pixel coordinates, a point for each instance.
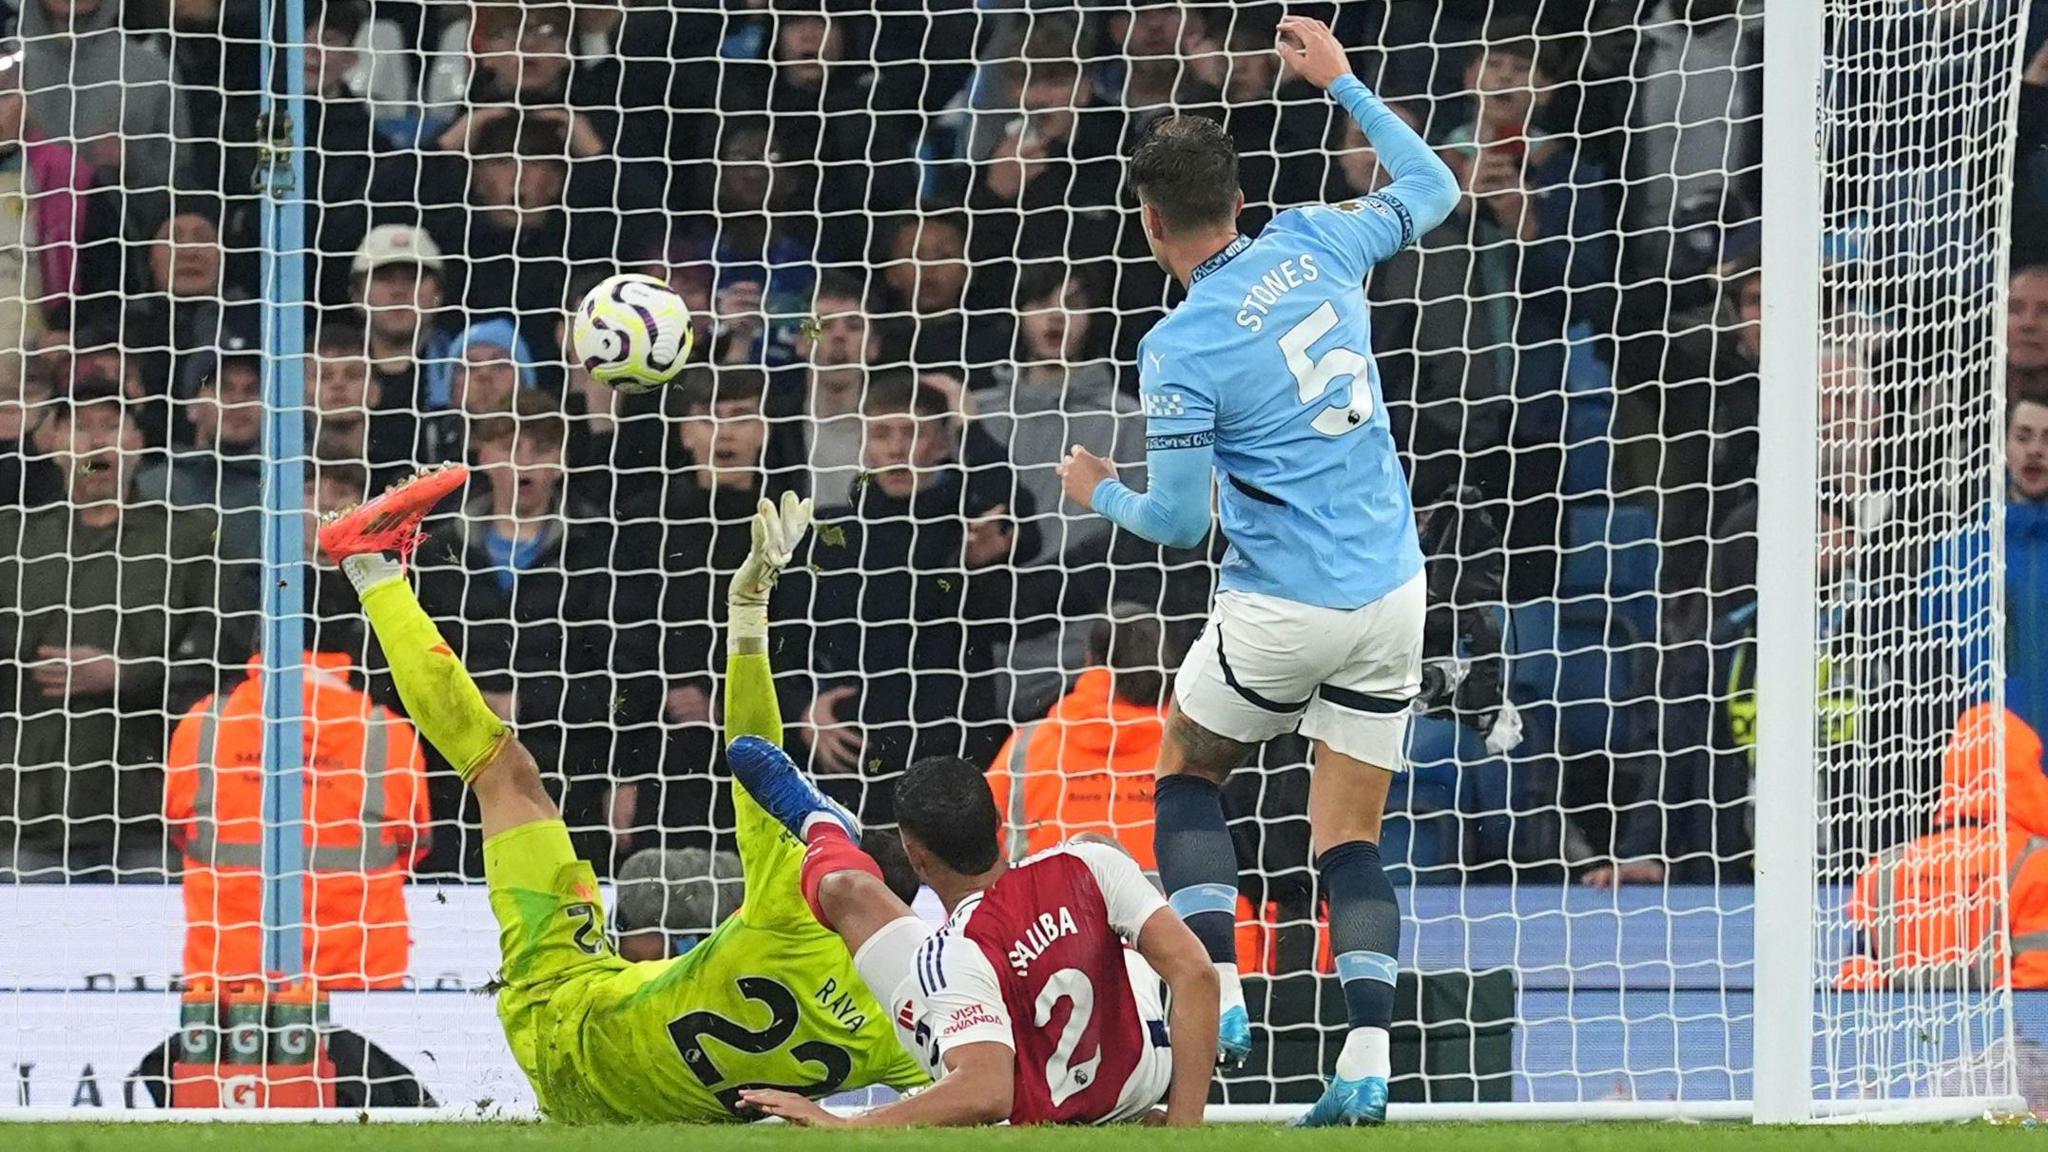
(1314, 375)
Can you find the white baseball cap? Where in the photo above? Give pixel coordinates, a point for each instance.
(389, 244)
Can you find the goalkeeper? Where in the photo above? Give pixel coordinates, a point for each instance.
(769, 1000)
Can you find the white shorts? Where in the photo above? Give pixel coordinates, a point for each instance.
(1265, 666)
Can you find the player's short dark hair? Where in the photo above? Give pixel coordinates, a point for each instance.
(944, 802)
(886, 850)
(1187, 169)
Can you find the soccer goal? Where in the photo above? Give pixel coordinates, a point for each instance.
(1702, 390)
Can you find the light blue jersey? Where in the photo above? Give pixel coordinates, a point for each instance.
(1265, 373)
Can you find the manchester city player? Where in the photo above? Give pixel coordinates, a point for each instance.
(1264, 375)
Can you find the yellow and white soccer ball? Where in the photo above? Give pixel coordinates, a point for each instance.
(632, 332)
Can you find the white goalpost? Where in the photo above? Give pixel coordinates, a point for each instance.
(1702, 391)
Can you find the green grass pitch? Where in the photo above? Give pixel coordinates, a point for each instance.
(1216, 1138)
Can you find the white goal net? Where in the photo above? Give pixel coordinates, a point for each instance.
(918, 277)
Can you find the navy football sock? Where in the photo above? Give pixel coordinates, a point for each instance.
(1197, 861)
(1365, 930)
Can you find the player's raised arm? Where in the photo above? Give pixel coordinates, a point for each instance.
(1423, 191)
(750, 705)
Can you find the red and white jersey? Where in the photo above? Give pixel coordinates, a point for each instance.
(1039, 963)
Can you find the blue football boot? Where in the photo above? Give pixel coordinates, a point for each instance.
(781, 789)
(1233, 1038)
(1348, 1104)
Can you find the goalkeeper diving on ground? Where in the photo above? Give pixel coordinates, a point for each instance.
(1037, 1014)
(771, 999)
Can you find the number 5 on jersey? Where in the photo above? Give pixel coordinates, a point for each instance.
(1314, 375)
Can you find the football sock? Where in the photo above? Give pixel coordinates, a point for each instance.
(1198, 865)
(1365, 934)
(828, 849)
(440, 698)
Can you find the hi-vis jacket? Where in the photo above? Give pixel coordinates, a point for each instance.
(366, 823)
(1929, 909)
(1086, 767)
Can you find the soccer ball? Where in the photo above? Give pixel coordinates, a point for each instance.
(633, 333)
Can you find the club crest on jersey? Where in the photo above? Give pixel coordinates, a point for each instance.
(1039, 935)
(1165, 404)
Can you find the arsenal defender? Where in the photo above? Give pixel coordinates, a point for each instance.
(1029, 1005)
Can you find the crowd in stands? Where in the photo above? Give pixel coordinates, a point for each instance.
(918, 277)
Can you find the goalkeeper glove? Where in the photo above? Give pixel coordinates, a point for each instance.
(777, 532)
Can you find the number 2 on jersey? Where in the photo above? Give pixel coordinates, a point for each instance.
(1313, 375)
(1064, 1077)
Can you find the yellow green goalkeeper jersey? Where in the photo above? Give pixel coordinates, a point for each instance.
(770, 999)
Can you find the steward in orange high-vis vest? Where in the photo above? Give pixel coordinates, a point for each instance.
(1929, 909)
(1088, 765)
(366, 824)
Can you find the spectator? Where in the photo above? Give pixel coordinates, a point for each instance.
(184, 299)
(349, 420)
(109, 94)
(825, 110)
(39, 245)
(697, 521)
(2030, 165)
(1695, 116)
(1959, 573)
(843, 343)
(1277, 140)
(520, 55)
(1687, 422)
(670, 899)
(2026, 325)
(1148, 77)
(492, 365)
(758, 251)
(1540, 200)
(554, 622)
(1931, 909)
(929, 273)
(912, 602)
(1048, 190)
(397, 279)
(348, 166)
(115, 615)
(1443, 333)
(618, 440)
(1060, 390)
(365, 811)
(1087, 766)
(223, 470)
(536, 197)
